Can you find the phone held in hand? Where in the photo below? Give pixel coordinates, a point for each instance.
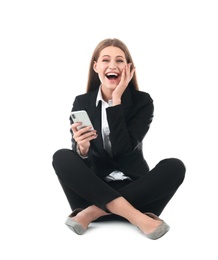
(81, 116)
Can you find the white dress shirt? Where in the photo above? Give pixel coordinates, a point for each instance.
(115, 175)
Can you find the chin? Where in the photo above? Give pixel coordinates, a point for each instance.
(110, 86)
(113, 85)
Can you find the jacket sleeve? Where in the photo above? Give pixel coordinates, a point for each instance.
(77, 106)
(127, 133)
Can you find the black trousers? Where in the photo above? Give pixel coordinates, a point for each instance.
(149, 193)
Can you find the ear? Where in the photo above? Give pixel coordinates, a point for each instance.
(95, 67)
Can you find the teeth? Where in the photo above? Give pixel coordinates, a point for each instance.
(112, 74)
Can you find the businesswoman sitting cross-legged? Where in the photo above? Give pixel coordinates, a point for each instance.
(105, 173)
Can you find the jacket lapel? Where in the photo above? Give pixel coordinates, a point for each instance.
(95, 116)
(126, 101)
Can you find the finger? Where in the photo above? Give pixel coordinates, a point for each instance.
(132, 73)
(74, 127)
(128, 70)
(129, 66)
(87, 135)
(81, 130)
(81, 137)
(123, 73)
(86, 142)
(87, 139)
(85, 129)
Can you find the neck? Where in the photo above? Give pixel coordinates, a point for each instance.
(106, 94)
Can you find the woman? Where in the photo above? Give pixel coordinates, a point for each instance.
(105, 173)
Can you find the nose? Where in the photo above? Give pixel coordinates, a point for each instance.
(112, 65)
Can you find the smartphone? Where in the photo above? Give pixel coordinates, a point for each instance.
(81, 116)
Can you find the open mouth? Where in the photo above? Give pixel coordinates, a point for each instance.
(112, 76)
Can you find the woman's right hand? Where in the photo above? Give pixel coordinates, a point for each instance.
(83, 137)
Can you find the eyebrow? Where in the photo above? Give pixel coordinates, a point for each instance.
(118, 56)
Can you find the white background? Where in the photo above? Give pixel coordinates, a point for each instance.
(45, 49)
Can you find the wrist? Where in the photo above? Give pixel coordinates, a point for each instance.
(82, 152)
(116, 101)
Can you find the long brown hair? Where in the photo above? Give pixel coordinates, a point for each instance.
(93, 79)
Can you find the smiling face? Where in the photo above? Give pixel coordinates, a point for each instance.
(109, 66)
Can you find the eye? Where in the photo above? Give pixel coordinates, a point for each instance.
(120, 61)
(105, 60)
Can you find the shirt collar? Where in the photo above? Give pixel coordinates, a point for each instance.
(100, 98)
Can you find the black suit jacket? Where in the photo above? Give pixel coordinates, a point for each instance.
(128, 123)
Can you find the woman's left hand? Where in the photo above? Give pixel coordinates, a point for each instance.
(126, 76)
